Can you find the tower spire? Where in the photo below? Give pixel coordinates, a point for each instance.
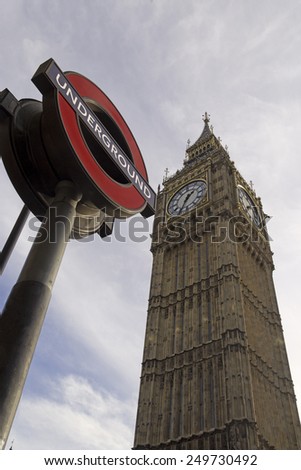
(206, 142)
(207, 133)
(204, 137)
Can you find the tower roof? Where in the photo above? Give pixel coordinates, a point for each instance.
(207, 133)
(206, 141)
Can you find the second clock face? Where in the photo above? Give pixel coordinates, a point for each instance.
(249, 206)
(187, 197)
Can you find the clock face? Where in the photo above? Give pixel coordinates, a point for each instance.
(187, 197)
(249, 206)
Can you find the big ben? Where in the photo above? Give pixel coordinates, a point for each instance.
(215, 372)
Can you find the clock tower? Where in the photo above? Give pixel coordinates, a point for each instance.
(215, 372)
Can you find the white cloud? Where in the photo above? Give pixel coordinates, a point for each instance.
(163, 63)
(73, 416)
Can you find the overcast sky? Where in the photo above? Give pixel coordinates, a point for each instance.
(163, 63)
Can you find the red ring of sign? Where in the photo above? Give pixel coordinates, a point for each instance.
(124, 196)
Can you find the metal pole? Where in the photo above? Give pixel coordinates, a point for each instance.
(25, 309)
(13, 238)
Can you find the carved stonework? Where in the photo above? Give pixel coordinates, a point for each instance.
(215, 368)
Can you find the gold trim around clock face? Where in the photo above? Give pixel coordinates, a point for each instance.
(187, 197)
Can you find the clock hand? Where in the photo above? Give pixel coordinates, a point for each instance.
(186, 199)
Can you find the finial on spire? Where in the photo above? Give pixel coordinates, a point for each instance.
(206, 117)
(166, 174)
(205, 136)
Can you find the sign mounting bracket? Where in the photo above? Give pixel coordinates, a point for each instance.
(13, 238)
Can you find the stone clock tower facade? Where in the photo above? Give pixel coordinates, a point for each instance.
(215, 372)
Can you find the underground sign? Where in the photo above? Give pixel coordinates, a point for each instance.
(77, 134)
